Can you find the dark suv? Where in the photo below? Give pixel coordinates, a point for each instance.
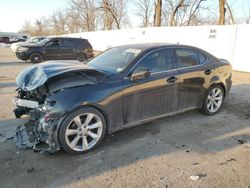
(56, 48)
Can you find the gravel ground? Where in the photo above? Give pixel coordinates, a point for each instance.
(163, 153)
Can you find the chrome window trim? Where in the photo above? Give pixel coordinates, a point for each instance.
(176, 69)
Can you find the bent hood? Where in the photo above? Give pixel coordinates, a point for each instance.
(35, 76)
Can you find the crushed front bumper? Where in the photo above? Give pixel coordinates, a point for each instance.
(39, 135)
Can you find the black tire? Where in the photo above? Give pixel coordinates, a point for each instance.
(205, 108)
(81, 57)
(36, 58)
(68, 121)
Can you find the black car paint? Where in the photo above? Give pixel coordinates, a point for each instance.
(62, 52)
(125, 103)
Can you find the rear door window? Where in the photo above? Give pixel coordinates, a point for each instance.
(69, 43)
(188, 58)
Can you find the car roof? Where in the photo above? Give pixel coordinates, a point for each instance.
(148, 46)
(66, 38)
(153, 46)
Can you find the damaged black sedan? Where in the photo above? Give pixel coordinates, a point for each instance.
(72, 107)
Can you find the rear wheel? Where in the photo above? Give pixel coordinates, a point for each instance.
(82, 130)
(36, 58)
(81, 57)
(213, 100)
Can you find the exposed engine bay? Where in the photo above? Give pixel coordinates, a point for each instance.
(35, 86)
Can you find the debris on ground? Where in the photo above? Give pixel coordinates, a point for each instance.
(195, 164)
(10, 137)
(241, 139)
(247, 116)
(197, 176)
(31, 170)
(228, 161)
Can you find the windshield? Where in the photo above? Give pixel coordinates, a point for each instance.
(44, 41)
(115, 59)
(35, 40)
(30, 40)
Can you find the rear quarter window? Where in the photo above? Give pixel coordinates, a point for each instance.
(86, 44)
(202, 58)
(69, 43)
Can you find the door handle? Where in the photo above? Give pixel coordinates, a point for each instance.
(207, 72)
(172, 79)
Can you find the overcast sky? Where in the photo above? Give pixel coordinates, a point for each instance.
(13, 13)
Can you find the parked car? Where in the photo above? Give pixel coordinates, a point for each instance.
(56, 48)
(5, 40)
(12, 41)
(32, 40)
(73, 106)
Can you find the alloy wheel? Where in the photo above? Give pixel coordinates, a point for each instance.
(84, 132)
(214, 99)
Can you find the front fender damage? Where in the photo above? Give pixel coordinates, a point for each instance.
(38, 85)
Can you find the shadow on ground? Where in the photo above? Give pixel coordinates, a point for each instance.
(185, 133)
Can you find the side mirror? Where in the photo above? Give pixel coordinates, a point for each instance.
(140, 74)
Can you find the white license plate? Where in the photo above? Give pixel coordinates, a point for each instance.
(24, 103)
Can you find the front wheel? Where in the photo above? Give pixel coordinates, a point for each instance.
(213, 100)
(36, 58)
(81, 57)
(82, 130)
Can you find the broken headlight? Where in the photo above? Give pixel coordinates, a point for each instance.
(47, 106)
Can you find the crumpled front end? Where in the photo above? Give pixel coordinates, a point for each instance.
(40, 132)
(36, 88)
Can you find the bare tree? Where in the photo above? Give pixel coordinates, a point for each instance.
(222, 11)
(158, 12)
(59, 22)
(42, 27)
(175, 10)
(114, 13)
(108, 17)
(185, 12)
(231, 16)
(194, 9)
(144, 11)
(86, 12)
(246, 18)
(27, 28)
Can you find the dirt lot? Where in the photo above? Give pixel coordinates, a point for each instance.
(164, 153)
